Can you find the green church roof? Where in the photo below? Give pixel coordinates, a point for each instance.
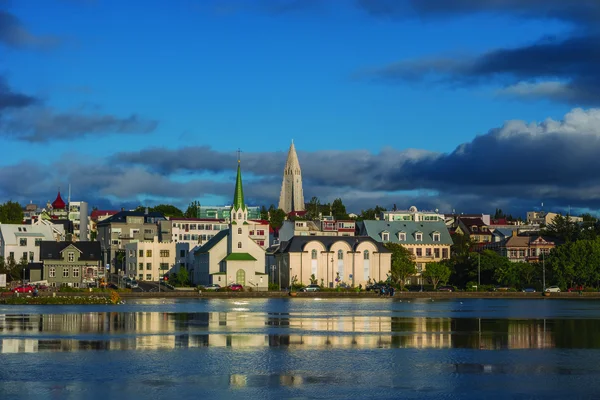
(239, 257)
(238, 195)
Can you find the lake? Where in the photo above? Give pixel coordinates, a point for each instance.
(302, 348)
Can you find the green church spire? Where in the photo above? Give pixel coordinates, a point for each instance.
(238, 196)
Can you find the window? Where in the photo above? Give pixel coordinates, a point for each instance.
(428, 252)
(436, 237)
(239, 215)
(444, 253)
(260, 232)
(366, 254)
(37, 242)
(148, 277)
(65, 272)
(239, 245)
(75, 272)
(164, 266)
(71, 256)
(385, 236)
(141, 253)
(23, 242)
(52, 272)
(148, 231)
(130, 253)
(402, 236)
(181, 253)
(436, 253)
(340, 255)
(419, 236)
(164, 253)
(148, 253)
(313, 254)
(239, 231)
(24, 255)
(419, 252)
(148, 266)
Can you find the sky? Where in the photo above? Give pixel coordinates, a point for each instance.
(455, 105)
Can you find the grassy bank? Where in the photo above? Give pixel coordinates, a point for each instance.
(64, 299)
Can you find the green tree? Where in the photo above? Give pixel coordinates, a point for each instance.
(436, 272)
(11, 213)
(276, 218)
(264, 213)
(562, 228)
(312, 208)
(509, 274)
(193, 210)
(530, 272)
(338, 210)
(370, 214)
(403, 264)
(168, 210)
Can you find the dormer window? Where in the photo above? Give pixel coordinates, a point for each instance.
(385, 236)
(474, 228)
(436, 236)
(419, 236)
(402, 236)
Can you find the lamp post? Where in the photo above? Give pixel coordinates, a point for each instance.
(478, 271)
(331, 272)
(543, 273)
(279, 274)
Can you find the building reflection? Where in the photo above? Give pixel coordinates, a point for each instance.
(298, 331)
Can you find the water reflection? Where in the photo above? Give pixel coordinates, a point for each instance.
(295, 331)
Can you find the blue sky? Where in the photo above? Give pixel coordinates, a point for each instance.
(381, 82)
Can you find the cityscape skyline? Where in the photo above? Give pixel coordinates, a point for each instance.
(136, 105)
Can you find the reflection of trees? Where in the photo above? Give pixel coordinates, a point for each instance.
(576, 333)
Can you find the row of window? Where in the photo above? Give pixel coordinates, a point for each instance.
(11, 256)
(23, 241)
(66, 272)
(163, 253)
(340, 254)
(162, 266)
(193, 237)
(385, 236)
(429, 252)
(200, 227)
(530, 253)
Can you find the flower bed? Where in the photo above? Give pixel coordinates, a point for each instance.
(65, 300)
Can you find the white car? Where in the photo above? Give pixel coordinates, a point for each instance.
(553, 289)
(213, 286)
(311, 288)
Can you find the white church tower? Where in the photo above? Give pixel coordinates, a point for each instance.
(292, 197)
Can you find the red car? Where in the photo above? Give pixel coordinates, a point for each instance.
(576, 289)
(24, 289)
(236, 287)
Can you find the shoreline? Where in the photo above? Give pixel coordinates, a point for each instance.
(330, 295)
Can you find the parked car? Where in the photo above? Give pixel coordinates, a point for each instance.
(236, 287)
(446, 289)
(376, 287)
(311, 288)
(133, 284)
(576, 288)
(553, 289)
(501, 288)
(529, 290)
(214, 287)
(24, 289)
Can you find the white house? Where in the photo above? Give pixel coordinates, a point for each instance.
(149, 261)
(19, 241)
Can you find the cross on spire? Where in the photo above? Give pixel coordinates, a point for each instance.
(239, 152)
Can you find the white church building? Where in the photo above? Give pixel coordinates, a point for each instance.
(232, 256)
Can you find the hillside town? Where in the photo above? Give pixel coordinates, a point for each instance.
(65, 243)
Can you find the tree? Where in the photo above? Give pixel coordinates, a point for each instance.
(168, 210)
(11, 213)
(370, 213)
(264, 213)
(276, 219)
(530, 272)
(312, 208)
(338, 210)
(403, 264)
(562, 228)
(436, 272)
(193, 210)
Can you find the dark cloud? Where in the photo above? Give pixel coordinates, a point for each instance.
(559, 69)
(14, 34)
(11, 99)
(514, 167)
(578, 11)
(24, 117)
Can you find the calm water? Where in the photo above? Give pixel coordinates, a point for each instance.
(302, 349)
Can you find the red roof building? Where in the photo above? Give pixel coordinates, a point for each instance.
(58, 204)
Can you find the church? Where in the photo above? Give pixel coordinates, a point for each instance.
(291, 198)
(231, 256)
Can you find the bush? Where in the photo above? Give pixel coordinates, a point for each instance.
(273, 286)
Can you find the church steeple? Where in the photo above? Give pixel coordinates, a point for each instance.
(238, 195)
(291, 197)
